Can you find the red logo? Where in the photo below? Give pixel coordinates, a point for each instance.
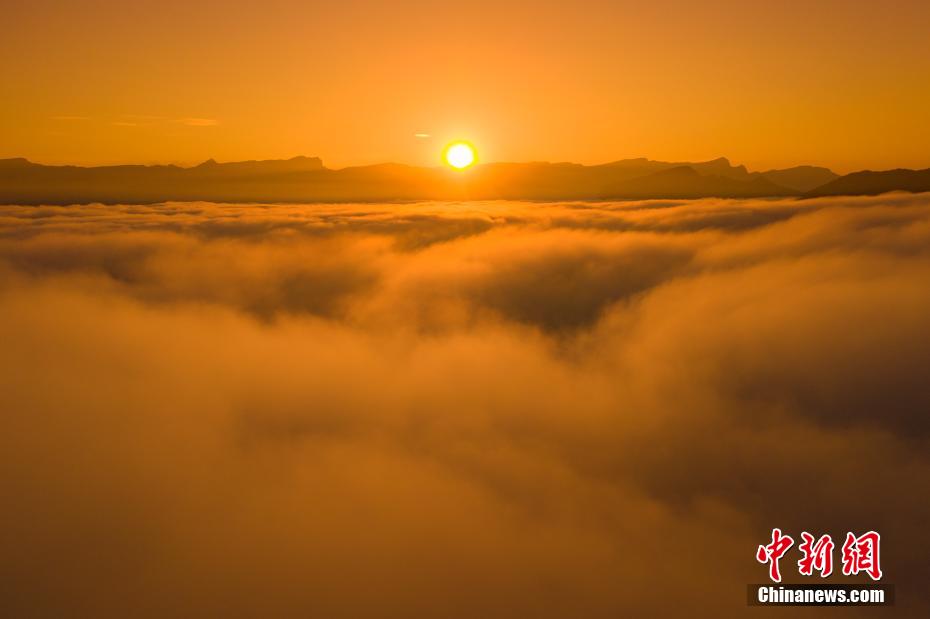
(860, 554)
(772, 553)
(817, 556)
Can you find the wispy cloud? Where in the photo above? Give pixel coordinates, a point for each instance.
(143, 120)
(199, 122)
(422, 136)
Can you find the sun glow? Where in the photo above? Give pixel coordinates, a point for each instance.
(460, 155)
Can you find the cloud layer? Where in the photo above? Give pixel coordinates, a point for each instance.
(457, 410)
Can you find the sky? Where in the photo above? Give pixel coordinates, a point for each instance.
(768, 84)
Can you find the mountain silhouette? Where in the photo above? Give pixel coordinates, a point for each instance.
(868, 183)
(686, 182)
(306, 179)
(240, 168)
(800, 178)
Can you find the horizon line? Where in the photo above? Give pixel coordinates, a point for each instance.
(188, 166)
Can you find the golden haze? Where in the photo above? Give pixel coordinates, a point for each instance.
(483, 410)
(768, 84)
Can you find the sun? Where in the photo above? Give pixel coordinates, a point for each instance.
(460, 155)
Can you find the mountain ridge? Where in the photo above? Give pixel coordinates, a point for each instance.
(870, 183)
(307, 179)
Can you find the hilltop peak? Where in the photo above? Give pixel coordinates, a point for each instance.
(15, 162)
(299, 163)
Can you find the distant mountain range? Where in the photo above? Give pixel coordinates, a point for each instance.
(306, 179)
(873, 183)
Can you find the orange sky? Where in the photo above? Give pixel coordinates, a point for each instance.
(837, 83)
